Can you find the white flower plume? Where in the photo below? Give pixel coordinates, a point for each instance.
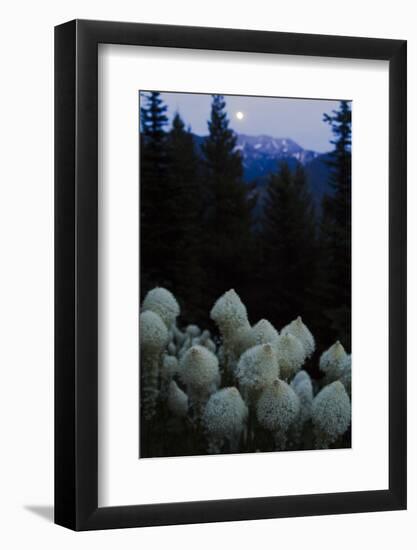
(153, 339)
(291, 355)
(225, 416)
(331, 413)
(277, 409)
(298, 329)
(229, 313)
(177, 400)
(333, 361)
(162, 302)
(257, 368)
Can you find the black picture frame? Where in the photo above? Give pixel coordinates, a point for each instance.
(76, 270)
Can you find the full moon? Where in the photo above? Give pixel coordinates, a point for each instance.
(240, 115)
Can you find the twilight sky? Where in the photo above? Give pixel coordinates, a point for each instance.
(298, 119)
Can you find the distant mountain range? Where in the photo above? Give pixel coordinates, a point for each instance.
(262, 155)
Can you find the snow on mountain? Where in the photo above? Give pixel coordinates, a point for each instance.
(262, 155)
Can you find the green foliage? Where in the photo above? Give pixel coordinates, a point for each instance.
(336, 228)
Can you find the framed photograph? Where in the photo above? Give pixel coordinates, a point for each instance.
(230, 253)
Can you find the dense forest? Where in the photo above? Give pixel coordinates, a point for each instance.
(200, 235)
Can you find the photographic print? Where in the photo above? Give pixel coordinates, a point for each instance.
(245, 274)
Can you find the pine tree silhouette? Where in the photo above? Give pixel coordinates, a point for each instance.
(186, 261)
(336, 227)
(155, 196)
(227, 213)
(289, 244)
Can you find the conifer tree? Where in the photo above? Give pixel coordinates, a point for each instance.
(289, 245)
(227, 213)
(153, 123)
(187, 271)
(223, 161)
(155, 197)
(336, 227)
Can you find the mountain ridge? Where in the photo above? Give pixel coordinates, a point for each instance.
(262, 155)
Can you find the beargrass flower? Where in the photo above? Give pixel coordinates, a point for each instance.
(206, 341)
(224, 418)
(298, 329)
(172, 348)
(331, 414)
(193, 330)
(210, 345)
(333, 361)
(346, 376)
(177, 400)
(263, 333)
(162, 302)
(303, 387)
(153, 339)
(277, 409)
(199, 371)
(291, 355)
(256, 369)
(230, 315)
(179, 336)
(168, 370)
